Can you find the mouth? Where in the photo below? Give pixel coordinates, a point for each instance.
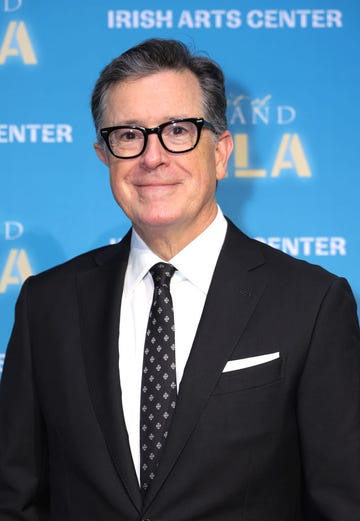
(156, 191)
(155, 185)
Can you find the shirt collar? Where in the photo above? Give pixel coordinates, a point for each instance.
(205, 248)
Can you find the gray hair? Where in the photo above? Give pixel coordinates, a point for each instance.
(155, 55)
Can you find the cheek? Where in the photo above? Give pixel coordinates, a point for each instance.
(114, 181)
(118, 175)
(206, 174)
(118, 185)
(206, 163)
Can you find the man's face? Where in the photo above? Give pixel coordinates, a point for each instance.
(159, 190)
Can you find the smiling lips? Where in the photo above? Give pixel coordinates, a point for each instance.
(155, 185)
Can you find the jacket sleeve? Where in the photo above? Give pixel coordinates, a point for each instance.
(23, 449)
(329, 409)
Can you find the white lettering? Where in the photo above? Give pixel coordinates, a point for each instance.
(164, 19)
(233, 18)
(12, 5)
(202, 19)
(63, 133)
(114, 240)
(17, 133)
(271, 19)
(254, 19)
(185, 20)
(318, 18)
(36, 133)
(13, 230)
(262, 112)
(285, 115)
(303, 14)
(3, 133)
(218, 15)
(259, 110)
(111, 19)
(197, 19)
(287, 19)
(48, 134)
(123, 20)
(295, 18)
(322, 246)
(306, 241)
(290, 246)
(307, 246)
(236, 115)
(334, 18)
(220, 18)
(146, 19)
(337, 246)
(33, 128)
(274, 242)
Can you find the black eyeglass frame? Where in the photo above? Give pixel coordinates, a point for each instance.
(200, 123)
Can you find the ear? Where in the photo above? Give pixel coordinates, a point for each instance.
(224, 147)
(101, 153)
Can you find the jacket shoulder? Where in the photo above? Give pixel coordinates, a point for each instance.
(277, 263)
(82, 263)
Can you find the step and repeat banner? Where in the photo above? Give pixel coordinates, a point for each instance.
(293, 79)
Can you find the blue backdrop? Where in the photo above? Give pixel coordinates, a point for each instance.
(293, 80)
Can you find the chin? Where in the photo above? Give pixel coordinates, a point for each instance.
(159, 219)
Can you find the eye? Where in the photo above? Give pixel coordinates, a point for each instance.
(177, 130)
(129, 135)
(125, 135)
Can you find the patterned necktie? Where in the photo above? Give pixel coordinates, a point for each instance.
(158, 387)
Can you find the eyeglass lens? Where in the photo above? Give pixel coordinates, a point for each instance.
(175, 136)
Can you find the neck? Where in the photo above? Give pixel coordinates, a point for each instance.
(167, 241)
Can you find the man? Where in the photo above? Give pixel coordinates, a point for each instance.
(257, 416)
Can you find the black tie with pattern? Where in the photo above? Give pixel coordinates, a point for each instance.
(158, 387)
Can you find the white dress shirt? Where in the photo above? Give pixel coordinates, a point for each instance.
(195, 266)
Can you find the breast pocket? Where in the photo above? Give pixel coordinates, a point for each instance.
(250, 377)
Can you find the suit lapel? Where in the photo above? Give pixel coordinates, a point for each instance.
(232, 298)
(100, 291)
(234, 293)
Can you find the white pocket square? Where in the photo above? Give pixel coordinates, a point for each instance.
(242, 363)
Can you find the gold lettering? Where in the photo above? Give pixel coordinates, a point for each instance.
(17, 31)
(291, 148)
(16, 259)
(242, 158)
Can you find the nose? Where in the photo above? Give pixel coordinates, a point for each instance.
(154, 153)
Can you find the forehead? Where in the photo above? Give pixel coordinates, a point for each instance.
(152, 99)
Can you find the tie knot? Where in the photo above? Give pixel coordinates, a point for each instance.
(162, 273)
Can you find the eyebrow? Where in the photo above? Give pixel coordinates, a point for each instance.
(136, 122)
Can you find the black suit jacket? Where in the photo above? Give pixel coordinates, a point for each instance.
(279, 441)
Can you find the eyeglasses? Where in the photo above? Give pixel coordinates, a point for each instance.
(176, 136)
